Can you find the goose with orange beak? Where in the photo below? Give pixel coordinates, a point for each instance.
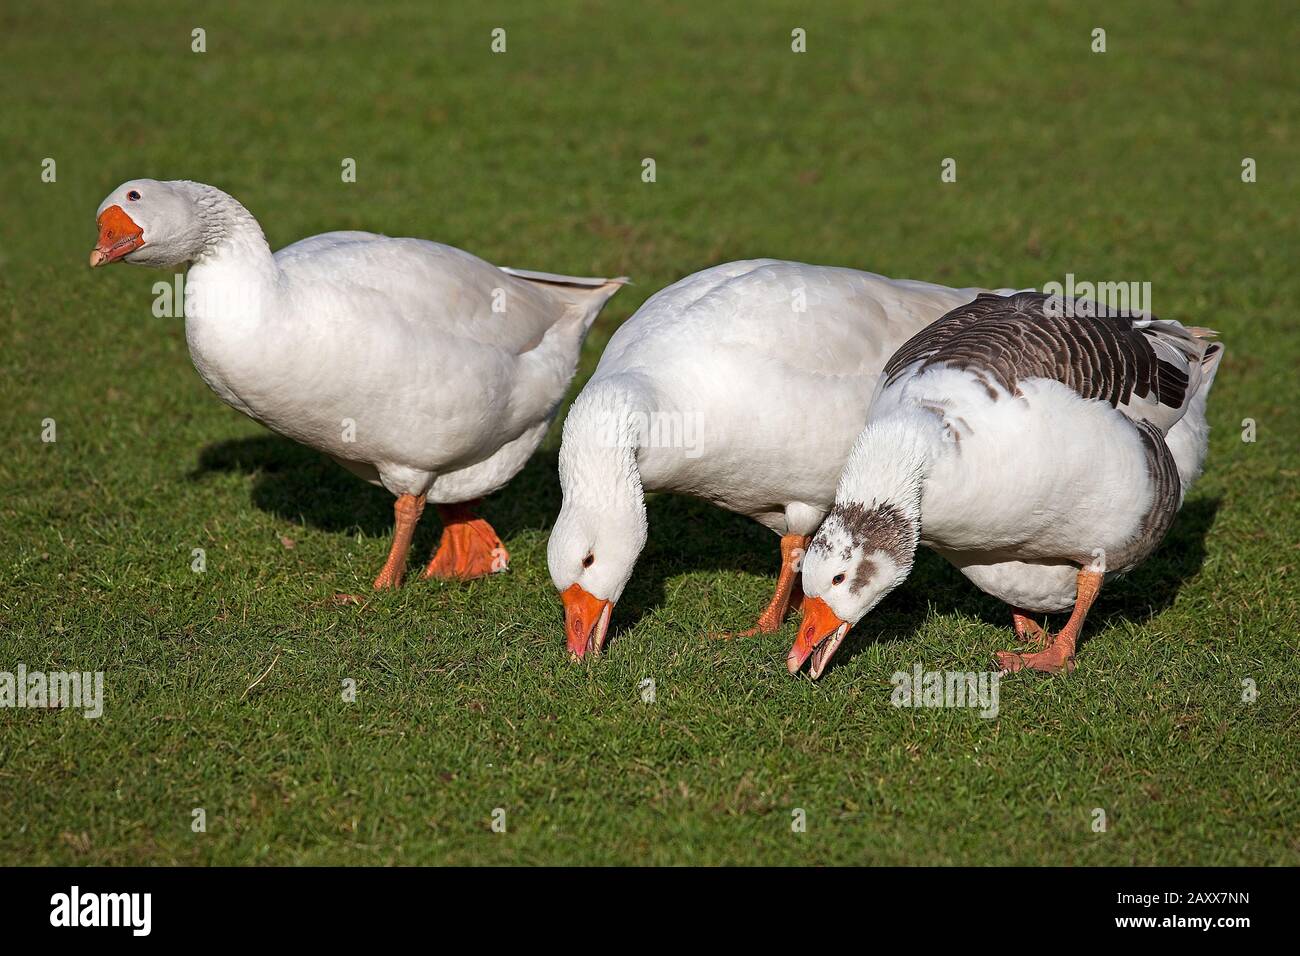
(860, 554)
(745, 385)
(119, 234)
(415, 365)
(1039, 445)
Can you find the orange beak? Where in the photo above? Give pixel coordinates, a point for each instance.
(820, 634)
(118, 236)
(586, 621)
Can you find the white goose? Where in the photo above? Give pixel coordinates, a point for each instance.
(415, 365)
(745, 385)
(1035, 447)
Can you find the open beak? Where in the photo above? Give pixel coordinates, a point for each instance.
(586, 621)
(118, 236)
(820, 635)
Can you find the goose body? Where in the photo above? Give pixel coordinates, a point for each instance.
(1035, 449)
(726, 353)
(399, 337)
(416, 365)
(745, 385)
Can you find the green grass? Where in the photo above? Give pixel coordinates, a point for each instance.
(1119, 166)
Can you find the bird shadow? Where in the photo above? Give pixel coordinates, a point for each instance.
(1138, 596)
(688, 535)
(300, 485)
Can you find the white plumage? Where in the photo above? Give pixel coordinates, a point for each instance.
(415, 365)
(745, 385)
(1035, 453)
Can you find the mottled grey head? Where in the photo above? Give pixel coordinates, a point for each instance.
(859, 554)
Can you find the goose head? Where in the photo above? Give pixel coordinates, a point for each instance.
(859, 554)
(591, 554)
(147, 222)
(601, 527)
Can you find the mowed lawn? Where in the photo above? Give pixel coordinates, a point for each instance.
(223, 689)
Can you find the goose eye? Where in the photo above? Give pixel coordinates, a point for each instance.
(587, 561)
(838, 579)
(133, 195)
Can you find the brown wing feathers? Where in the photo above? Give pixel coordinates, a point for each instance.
(1009, 338)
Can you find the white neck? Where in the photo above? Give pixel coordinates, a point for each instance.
(598, 456)
(890, 462)
(604, 504)
(234, 279)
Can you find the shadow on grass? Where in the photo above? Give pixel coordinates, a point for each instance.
(1154, 584)
(686, 534)
(298, 484)
(1140, 595)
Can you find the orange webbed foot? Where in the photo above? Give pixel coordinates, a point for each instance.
(748, 632)
(769, 622)
(388, 580)
(1053, 660)
(469, 547)
(1030, 631)
(1058, 655)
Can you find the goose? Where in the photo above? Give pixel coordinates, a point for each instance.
(413, 364)
(744, 385)
(1039, 444)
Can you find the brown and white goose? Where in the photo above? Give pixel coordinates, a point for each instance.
(1036, 447)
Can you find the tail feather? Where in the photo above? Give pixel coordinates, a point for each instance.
(1210, 366)
(587, 295)
(1188, 440)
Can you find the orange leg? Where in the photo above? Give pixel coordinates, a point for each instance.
(1028, 630)
(406, 513)
(469, 547)
(1059, 654)
(788, 594)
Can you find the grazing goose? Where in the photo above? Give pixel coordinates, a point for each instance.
(414, 365)
(744, 385)
(1037, 449)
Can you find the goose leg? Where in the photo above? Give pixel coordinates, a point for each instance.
(788, 594)
(469, 547)
(1059, 654)
(1028, 630)
(406, 514)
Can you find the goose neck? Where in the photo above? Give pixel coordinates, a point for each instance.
(891, 462)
